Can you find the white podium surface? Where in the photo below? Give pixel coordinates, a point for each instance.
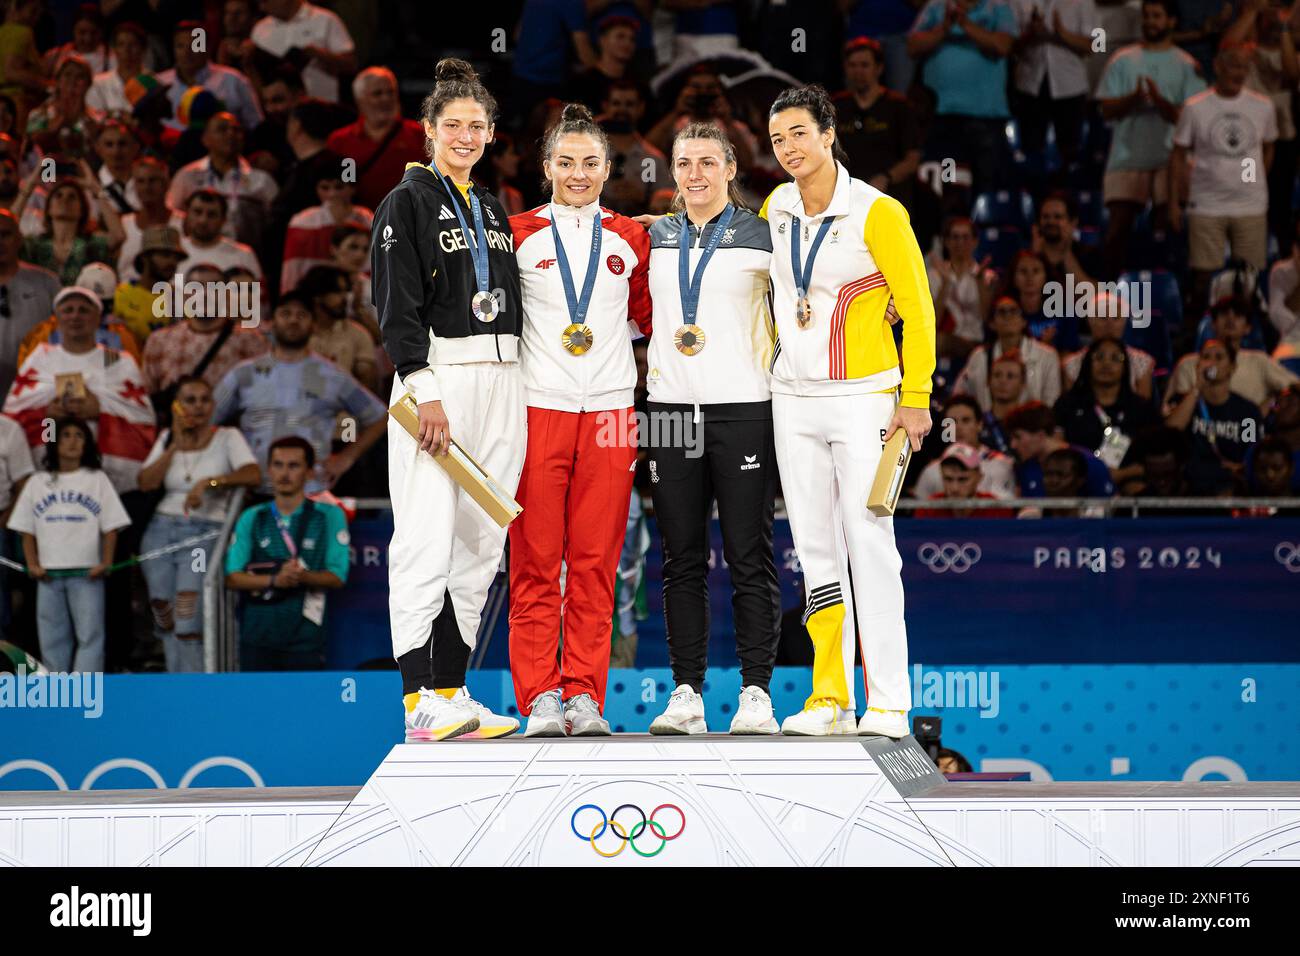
(718, 801)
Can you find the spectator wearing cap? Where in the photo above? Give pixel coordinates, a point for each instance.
(194, 69)
(967, 43)
(204, 343)
(381, 142)
(1256, 376)
(1141, 93)
(1101, 412)
(202, 239)
(1107, 322)
(117, 148)
(1033, 433)
(1009, 331)
(313, 39)
(107, 91)
(291, 391)
(149, 179)
(79, 378)
(156, 263)
(64, 124)
(627, 190)
(68, 240)
(1221, 423)
(1284, 300)
(876, 125)
(1051, 80)
(615, 50)
(962, 414)
(26, 297)
(112, 332)
(285, 554)
(307, 242)
(249, 192)
(341, 340)
(960, 474)
(1209, 170)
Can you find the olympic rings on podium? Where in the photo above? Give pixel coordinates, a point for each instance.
(627, 838)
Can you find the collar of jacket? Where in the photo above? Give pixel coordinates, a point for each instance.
(564, 214)
(420, 172)
(790, 201)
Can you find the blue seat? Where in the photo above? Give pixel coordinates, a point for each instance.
(1004, 208)
(1166, 303)
(999, 243)
(1092, 211)
(1291, 364)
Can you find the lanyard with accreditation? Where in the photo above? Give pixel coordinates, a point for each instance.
(313, 601)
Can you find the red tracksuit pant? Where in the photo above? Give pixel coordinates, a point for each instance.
(575, 488)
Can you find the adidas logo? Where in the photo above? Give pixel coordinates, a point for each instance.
(446, 214)
(751, 462)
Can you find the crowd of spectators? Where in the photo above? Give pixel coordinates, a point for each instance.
(1105, 192)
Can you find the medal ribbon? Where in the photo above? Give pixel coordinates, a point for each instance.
(577, 304)
(690, 285)
(802, 273)
(478, 248)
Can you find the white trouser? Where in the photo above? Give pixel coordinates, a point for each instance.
(443, 542)
(827, 448)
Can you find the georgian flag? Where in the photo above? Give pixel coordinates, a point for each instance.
(125, 428)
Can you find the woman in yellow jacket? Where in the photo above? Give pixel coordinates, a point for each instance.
(841, 249)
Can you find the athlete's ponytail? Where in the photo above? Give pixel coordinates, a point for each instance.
(715, 134)
(817, 102)
(455, 80)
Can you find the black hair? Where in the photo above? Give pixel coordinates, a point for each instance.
(342, 232)
(320, 280)
(455, 80)
(1078, 464)
(817, 102)
(298, 295)
(967, 400)
(1032, 416)
(1064, 197)
(1169, 6)
(575, 119)
(209, 195)
(316, 117)
(1083, 384)
(89, 448)
(963, 765)
(292, 441)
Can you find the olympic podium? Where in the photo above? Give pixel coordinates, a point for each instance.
(636, 800)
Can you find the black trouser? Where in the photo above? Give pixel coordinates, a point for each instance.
(1036, 112)
(439, 662)
(734, 463)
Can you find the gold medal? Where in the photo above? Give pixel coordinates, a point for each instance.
(577, 339)
(803, 312)
(689, 339)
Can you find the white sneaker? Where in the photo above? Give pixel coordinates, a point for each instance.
(754, 715)
(683, 715)
(886, 723)
(583, 717)
(821, 718)
(546, 716)
(490, 725)
(438, 718)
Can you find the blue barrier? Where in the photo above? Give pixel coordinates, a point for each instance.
(1082, 722)
(1148, 590)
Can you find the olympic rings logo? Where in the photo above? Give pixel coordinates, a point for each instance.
(625, 838)
(1288, 555)
(957, 558)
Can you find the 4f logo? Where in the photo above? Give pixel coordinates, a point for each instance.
(545, 264)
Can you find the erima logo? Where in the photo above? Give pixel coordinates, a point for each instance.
(545, 264)
(781, 229)
(751, 462)
(388, 238)
(446, 213)
(133, 910)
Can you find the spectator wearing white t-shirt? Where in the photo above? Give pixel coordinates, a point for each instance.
(960, 422)
(1223, 147)
(320, 36)
(249, 191)
(195, 463)
(107, 91)
(68, 516)
(1051, 80)
(962, 290)
(201, 238)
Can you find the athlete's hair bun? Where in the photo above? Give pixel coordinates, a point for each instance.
(576, 113)
(453, 70)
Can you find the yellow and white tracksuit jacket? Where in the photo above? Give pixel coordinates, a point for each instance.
(835, 386)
